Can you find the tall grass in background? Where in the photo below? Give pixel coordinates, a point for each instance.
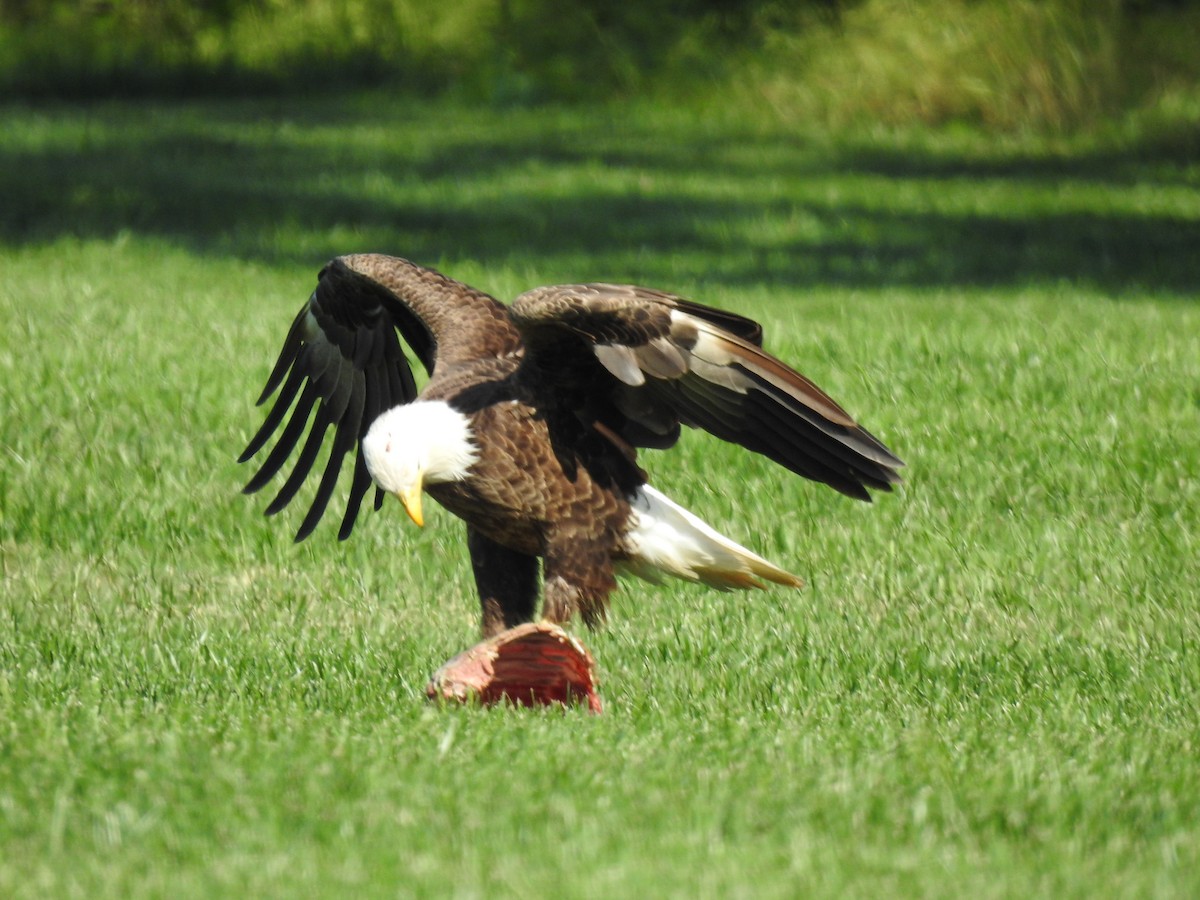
(1003, 65)
(1024, 65)
(223, 46)
(1045, 67)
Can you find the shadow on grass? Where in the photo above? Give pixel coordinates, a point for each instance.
(289, 183)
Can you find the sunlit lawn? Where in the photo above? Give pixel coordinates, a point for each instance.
(989, 686)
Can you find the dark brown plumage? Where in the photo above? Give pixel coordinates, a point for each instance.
(557, 393)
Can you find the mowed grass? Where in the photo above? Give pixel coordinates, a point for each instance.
(990, 685)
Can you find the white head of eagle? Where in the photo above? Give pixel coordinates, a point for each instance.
(420, 442)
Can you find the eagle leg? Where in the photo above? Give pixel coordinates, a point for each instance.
(507, 582)
(577, 579)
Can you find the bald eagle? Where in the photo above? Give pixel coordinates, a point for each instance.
(529, 426)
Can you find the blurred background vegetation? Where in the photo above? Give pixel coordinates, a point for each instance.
(1022, 65)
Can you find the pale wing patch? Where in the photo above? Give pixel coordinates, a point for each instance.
(661, 359)
(621, 362)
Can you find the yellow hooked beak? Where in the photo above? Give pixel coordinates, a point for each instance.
(411, 499)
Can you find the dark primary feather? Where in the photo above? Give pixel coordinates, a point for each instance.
(342, 357)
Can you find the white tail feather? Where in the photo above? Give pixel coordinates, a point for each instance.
(667, 538)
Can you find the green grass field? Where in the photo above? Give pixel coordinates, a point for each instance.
(989, 687)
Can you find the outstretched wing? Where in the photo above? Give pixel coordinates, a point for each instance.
(343, 357)
(639, 363)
